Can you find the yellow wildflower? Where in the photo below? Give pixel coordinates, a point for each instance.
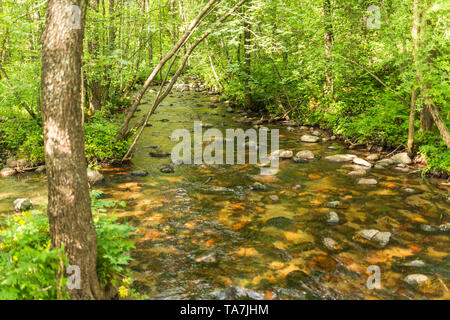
(123, 291)
(22, 222)
(127, 281)
(15, 258)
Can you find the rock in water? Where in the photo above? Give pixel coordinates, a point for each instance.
(139, 173)
(309, 138)
(385, 162)
(330, 244)
(7, 172)
(373, 157)
(444, 227)
(416, 280)
(283, 154)
(40, 169)
(167, 168)
(402, 158)
(280, 222)
(382, 238)
(357, 173)
(303, 156)
(367, 181)
(333, 204)
(362, 162)
(340, 158)
(332, 218)
(22, 205)
(257, 186)
(94, 177)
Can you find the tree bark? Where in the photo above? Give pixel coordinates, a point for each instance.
(328, 42)
(69, 211)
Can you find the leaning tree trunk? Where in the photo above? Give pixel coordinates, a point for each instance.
(69, 209)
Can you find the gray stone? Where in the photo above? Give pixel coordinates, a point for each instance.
(139, 173)
(404, 170)
(401, 158)
(444, 227)
(416, 280)
(316, 133)
(166, 168)
(362, 162)
(283, 154)
(332, 218)
(373, 157)
(427, 228)
(340, 158)
(257, 186)
(382, 238)
(22, 205)
(367, 182)
(333, 148)
(309, 138)
(379, 166)
(304, 155)
(357, 173)
(409, 190)
(230, 110)
(330, 244)
(333, 204)
(386, 162)
(415, 264)
(7, 172)
(94, 177)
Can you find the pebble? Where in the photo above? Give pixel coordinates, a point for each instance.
(309, 138)
(333, 204)
(382, 238)
(166, 168)
(409, 190)
(357, 173)
(362, 162)
(367, 181)
(416, 280)
(304, 155)
(22, 204)
(330, 244)
(332, 218)
(139, 173)
(257, 186)
(415, 264)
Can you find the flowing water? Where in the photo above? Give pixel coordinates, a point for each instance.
(204, 233)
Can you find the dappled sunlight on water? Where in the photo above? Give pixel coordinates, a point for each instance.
(203, 232)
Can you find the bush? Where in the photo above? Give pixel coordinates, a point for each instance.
(31, 269)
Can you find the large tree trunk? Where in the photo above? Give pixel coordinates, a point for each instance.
(69, 209)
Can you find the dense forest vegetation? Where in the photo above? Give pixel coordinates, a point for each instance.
(330, 63)
(372, 73)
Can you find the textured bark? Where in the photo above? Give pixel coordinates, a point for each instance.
(69, 209)
(426, 119)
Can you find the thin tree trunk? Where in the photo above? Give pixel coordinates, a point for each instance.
(247, 64)
(415, 38)
(123, 130)
(328, 42)
(69, 211)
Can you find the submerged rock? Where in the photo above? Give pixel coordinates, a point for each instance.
(40, 169)
(402, 158)
(415, 264)
(332, 218)
(309, 138)
(22, 205)
(159, 154)
(427, 228)
(258, 186)
(385, 162)
(330, 244)
(280, 222)
(373, 157)
(362, 162)
(333, 204)
(340, 158)
(7, 172)
(94, 177)
(304, 155)
(416, 280)
(139, 173)
(167, 168)
(444, 227)
(373, 235)
(367, 182)
(357, 173)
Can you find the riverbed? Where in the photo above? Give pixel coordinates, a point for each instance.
(206, 231)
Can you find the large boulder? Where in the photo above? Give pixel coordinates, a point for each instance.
(309, 138)
(340, 158)
(94, 177)
(402, 158)
(22, 205)
(7, 172)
